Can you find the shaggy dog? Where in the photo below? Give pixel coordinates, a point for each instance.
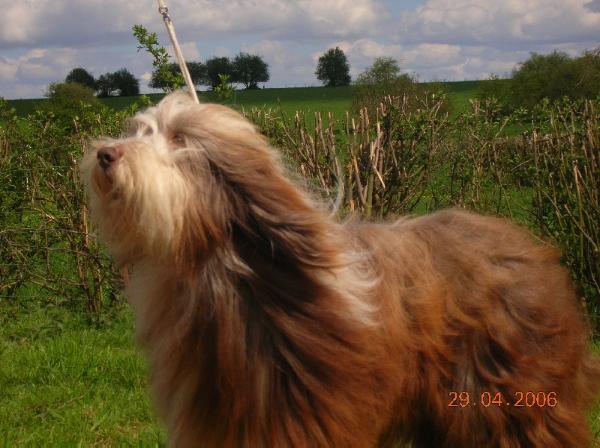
(269, 324)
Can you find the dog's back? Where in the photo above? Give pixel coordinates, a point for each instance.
(489, 334)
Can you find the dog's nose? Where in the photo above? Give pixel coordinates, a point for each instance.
(107, 156)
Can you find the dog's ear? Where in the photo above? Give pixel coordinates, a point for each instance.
(248, 182)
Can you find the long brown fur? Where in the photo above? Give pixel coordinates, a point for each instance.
(269, 324)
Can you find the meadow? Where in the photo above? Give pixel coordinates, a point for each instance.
(308, 99)
(70, 371)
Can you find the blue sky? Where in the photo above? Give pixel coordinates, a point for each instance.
(403, 5)
(41, 40)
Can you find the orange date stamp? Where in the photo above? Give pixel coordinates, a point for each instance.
(517, 399)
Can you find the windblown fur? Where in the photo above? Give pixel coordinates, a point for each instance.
(269, 324)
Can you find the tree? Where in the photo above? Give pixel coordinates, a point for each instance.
(126, 83)
(105, 85)
(384, 71)
(333, 69)
(382, 78)
(250, 69)
(121, 83)
(541, 76)
(197, 72)
(81, 76)
(217, 66)
(587, 67)
(552, 76)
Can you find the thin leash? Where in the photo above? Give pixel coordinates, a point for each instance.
(164, 11)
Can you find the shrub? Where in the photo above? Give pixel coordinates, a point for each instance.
(498, 89)
(384, 79)
(378, 81)
(587, 68)
(549, 76)
(68, 100)
(47, 249)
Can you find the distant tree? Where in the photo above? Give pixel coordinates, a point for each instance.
(126, 84)
(552, 76)
(384, 71)
(250, 69)
(105, 85)
(382, 78)
(541, 76)
(197, 72)
(121, 83)
(587, 67)
(81, 76)
(217, 66)
(333, 69)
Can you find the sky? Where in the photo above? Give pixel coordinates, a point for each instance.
(42, 40)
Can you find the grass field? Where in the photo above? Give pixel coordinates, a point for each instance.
(65, 382)
(307, 99)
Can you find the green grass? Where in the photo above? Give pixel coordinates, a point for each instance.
(460, 93)
(308, 99)
(65, 382)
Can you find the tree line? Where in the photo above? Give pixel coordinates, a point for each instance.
(121, 83)
(246, 69)
(550, 76)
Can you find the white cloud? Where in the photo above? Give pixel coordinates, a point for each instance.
(190, 51)
(273, 52)
(94, 22)
(41, 40)
(33, 66)
(31, 72)
(498, 23)
(432, 56)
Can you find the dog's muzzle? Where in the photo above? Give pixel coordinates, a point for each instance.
(108, 156)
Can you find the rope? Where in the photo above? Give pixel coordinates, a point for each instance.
(164, 11)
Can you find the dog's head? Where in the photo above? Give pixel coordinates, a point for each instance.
(170, 183)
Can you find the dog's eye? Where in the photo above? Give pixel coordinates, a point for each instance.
(147, 132)
(178, 140)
